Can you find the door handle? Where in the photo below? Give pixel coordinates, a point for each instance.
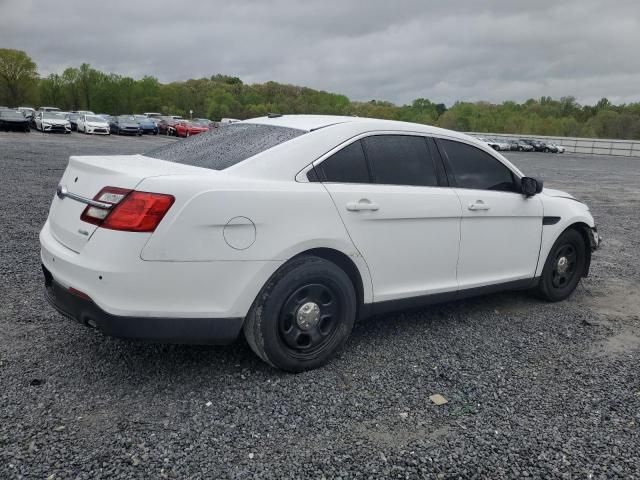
(479, 205)
(362, 204)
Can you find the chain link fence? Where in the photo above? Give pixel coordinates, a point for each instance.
(593, 146)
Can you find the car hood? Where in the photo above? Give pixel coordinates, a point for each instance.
(550, 192)
(97, 124)
(128, 125)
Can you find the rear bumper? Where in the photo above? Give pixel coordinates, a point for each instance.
(110, 271)
(212, 331)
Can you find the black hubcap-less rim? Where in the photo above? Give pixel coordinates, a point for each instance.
(309, 319)
(564, 266)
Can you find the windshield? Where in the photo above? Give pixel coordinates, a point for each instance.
(94, 118)
(126, 118)
(56, 115)
(221, 148)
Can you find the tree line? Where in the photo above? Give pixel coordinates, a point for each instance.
(219, 96)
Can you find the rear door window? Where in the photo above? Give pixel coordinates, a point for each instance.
(400, 160)
(348, 165)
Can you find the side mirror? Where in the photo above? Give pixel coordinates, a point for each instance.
(530, 186)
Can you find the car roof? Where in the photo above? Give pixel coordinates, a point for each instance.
(310, 123)
(327, 133)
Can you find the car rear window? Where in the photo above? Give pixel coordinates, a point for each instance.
(222, 147)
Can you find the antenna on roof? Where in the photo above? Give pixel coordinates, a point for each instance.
(274, 115)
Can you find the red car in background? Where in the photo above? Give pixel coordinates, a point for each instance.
(186, 129)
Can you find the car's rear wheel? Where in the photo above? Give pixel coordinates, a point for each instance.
(564, 267)
(303, 315)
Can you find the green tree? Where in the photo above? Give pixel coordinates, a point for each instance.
(18, 77)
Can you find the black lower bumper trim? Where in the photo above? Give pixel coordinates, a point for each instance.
(208, 331)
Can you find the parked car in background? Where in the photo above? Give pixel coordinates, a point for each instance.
(167, 125)
(537, 145)
(487, 141)
(285, 230)
(93, 124)
(152, 115)
(227, 121)
(205, 121)
(106, 116)
(28, 112)
(523, 147)
(556, 148)
(84, 112)
(186, 128)
(52, 121)
(513, 144)
(502, 144)
(73, 120)
(147, 125)
(125, 125)
(13, 120)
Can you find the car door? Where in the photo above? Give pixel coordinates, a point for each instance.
(501, 229)
(403, 222)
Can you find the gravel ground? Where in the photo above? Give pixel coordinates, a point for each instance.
(534, 389)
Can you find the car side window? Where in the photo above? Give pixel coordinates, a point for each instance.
(348, 165)
(400, 160)
(476, 169)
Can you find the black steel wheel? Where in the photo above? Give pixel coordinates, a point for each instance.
(309, 319)
(564, 266)
(303, 316)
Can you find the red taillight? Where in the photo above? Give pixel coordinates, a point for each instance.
(131, 211)
(139, 212)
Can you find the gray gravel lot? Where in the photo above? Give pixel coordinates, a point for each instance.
(534, 389)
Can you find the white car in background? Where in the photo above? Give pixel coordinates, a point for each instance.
(501, 144)
(289, 228)
(93, 124)
(52, 121)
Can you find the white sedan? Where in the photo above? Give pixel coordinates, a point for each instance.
(289, 228)
(93, 124)
(51, 121)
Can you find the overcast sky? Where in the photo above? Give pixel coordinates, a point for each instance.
(383, 49)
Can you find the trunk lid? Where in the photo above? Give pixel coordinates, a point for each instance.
(86, 176)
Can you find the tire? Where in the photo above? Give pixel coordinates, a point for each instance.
(559, 279)
(546, 150)
(276, 328)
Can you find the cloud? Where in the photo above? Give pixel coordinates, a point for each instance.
(446, 51)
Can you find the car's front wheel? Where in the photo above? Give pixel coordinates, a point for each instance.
(303, 316)
(564, 267)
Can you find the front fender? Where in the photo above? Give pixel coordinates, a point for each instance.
(561, 213)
